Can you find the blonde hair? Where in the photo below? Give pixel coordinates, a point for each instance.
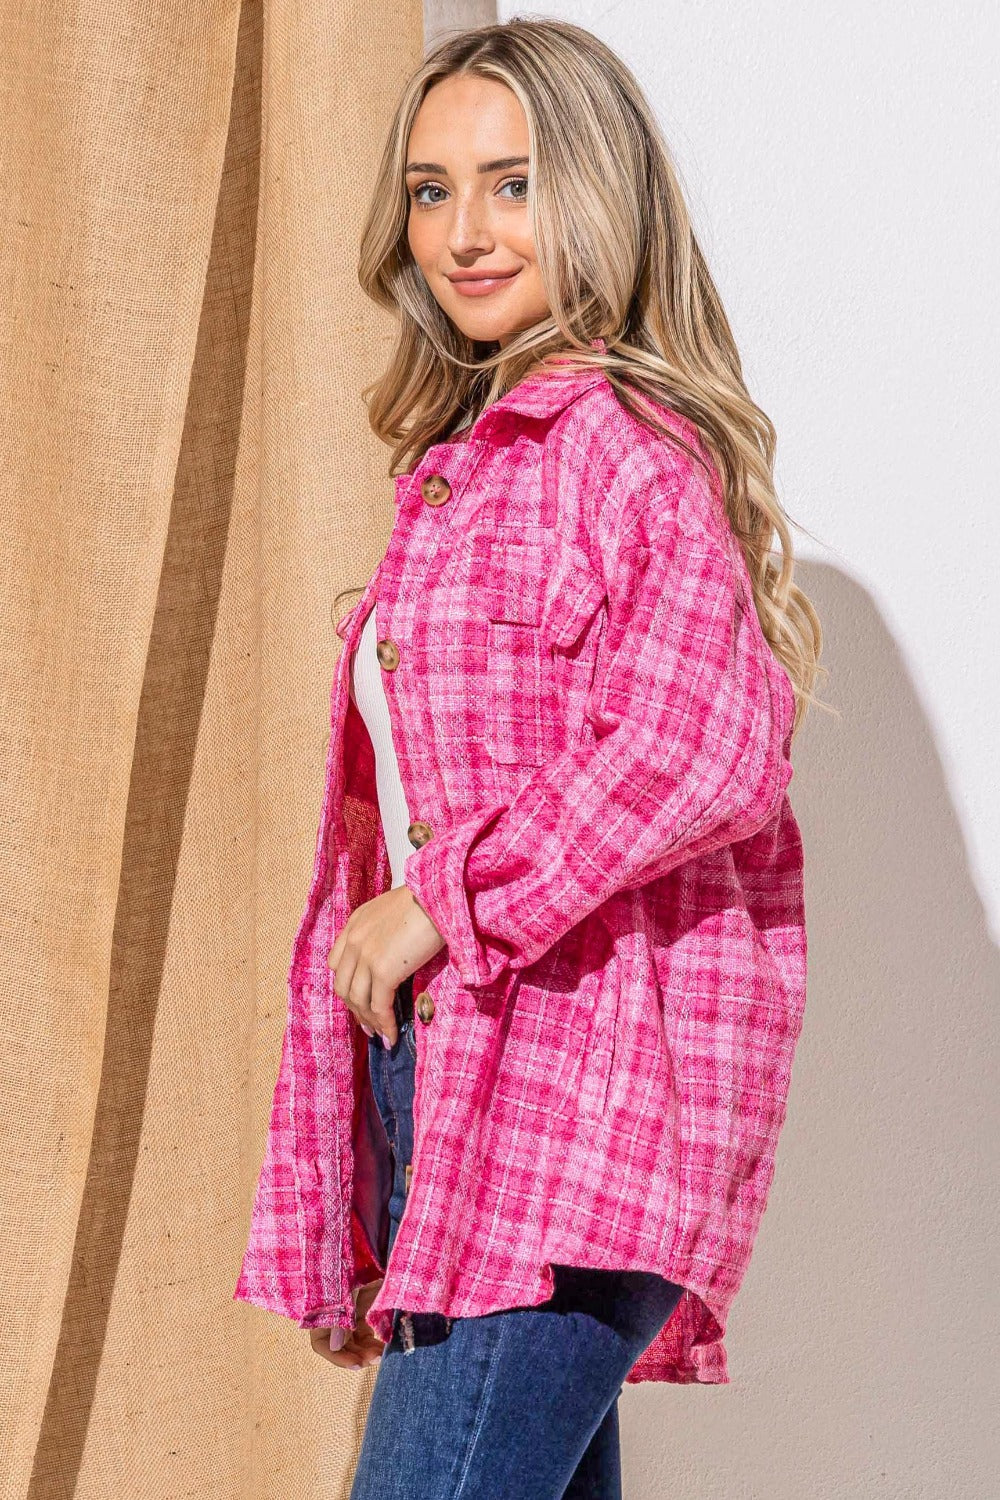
(619, 261)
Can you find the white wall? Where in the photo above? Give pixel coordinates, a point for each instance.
(842, 167)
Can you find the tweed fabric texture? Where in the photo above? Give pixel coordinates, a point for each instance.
(588, 716)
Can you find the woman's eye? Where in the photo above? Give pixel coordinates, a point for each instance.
(432, 187)
(520, 184)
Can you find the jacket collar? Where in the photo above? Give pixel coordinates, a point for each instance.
(543, 393)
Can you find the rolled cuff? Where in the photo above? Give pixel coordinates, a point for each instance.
(435, 874)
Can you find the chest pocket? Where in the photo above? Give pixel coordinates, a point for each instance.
(531, 596)
(513, 584)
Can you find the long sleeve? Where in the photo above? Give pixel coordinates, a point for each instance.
(688, 754)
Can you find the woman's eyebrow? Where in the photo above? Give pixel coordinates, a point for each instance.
(500, 165)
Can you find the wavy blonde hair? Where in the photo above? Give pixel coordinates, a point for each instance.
(619, 261)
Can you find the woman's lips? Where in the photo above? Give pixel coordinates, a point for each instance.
(482, 286)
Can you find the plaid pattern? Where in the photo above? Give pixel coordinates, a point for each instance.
(588, 716)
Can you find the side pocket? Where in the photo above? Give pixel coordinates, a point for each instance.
(593, 988)
(599, 1056)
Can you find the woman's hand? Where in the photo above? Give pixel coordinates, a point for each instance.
(382, 942)
(351, 1349)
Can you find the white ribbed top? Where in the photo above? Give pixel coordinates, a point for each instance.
(369, 696)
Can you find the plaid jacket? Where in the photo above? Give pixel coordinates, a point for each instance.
(594, 740)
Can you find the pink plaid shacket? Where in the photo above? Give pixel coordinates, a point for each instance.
(594, 740)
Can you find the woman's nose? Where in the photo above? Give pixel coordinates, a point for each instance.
(469, 232)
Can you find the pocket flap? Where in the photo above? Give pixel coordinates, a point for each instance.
(509, 574)
(576, 593)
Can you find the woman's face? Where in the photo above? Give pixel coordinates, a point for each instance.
(468, 229)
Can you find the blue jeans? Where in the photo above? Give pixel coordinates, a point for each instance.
(520, 1404)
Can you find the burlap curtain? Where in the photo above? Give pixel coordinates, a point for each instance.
(187, 480)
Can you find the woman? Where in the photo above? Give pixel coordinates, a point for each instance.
(558, 881)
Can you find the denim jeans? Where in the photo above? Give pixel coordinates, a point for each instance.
(520, 1404)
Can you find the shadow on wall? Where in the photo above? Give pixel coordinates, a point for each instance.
(862, 1345)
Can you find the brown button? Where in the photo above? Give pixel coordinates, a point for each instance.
(418, 833)
(425, 1006)
(388, 654)
(407, 1175)
(435, 489)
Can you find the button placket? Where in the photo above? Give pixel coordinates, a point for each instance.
(435, 489)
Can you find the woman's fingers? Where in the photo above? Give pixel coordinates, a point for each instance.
(371, 1001)
(384, 1014)
(353, 1358)
(351, 1349)
(368, 997)
(352, 984)
(328, 1341)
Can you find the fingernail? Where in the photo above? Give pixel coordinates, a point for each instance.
(387, 1044)
(367, 1029)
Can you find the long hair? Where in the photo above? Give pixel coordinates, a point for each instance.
(619, 262)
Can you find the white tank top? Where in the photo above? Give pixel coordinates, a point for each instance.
(369, 696)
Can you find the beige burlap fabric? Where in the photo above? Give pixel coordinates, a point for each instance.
(187, 481)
